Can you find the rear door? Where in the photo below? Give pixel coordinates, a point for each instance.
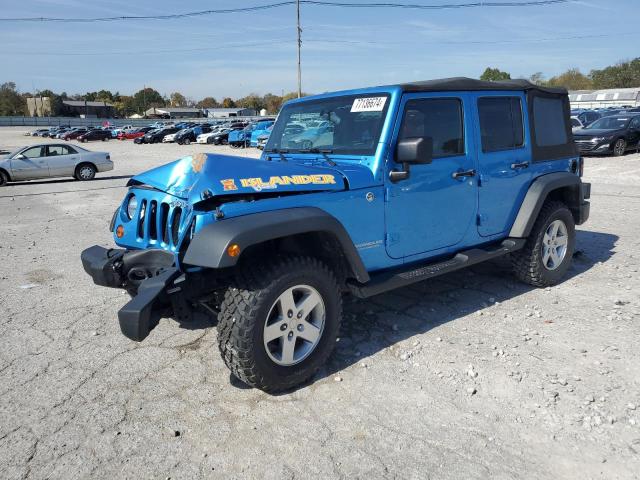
(431, 209)
(32, 165)
(504, 156)
(634, 133)
(61, 160)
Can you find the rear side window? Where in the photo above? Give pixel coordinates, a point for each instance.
(548, 117)
(438, 118)
(500, 123)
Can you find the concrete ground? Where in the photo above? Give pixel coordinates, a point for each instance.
(470, 375)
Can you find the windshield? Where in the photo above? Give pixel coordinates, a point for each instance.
(347, 125)
(609, 123)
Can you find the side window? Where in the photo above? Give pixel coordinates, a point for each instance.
(575, 122)
(500, 123)
(69, 150)
(438, 118)
(635, 123)
(548, 120)
(33, 152)
(53, 150)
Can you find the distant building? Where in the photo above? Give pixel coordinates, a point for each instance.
(39, 106)
(230, 112)
(173, 112)
(614, 97)
(86, 109)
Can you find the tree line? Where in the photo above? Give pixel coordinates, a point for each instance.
(12, 102)
(621, 75)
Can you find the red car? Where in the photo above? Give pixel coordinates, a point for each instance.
(140, 132)
(75, 133)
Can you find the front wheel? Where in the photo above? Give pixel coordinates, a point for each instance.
(547, 254)
(3, 179)
(187, 141)
(278, 323)
(619, 147)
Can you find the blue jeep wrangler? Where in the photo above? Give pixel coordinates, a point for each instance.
(409, 182)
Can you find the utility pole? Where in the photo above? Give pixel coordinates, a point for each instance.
(299, 48)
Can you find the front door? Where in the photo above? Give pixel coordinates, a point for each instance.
(31, 164)
(436, 206)
(504, 156)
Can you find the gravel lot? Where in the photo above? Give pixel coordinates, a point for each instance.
(471, 375)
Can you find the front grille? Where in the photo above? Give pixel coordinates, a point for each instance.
(159, 223)
(585, 145)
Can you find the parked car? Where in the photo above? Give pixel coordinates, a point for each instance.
(610, 135)
(317, 137)
(261, 128)
(185, 137)
(576, 124)
(97, 134)
(138, 132)
(220, 138)
(156, 136)
(39, 132)
(587, 117)
(53, 160)
(208, 137)
(170, 138)
(74, 133)
(262, 140)
(395, 199)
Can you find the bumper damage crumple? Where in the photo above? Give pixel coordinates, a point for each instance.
(149, 275)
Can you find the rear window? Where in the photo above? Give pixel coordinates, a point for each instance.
(549, 122)
(500, 123)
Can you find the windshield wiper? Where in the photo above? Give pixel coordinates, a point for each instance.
(324, 152)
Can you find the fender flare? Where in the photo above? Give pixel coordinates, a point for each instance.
(574, 193)
(208, 247)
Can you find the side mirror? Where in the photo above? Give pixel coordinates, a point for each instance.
(414, 150)
(20, 157)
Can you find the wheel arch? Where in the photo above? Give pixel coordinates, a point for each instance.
(561, 186)
(6, 173)
(305, 230)
(84, 162)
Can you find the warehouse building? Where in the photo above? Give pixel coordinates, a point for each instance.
(173, 112)
(230, 112)
(85, 109)
(614, 97)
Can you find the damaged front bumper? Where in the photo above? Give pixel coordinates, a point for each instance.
(150, 276)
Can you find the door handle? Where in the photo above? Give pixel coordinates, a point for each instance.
(466, 173)
(516, 166)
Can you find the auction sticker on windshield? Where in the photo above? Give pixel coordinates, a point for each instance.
(368, 104)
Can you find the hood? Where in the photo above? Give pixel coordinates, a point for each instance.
(213, 175)
(596, 132)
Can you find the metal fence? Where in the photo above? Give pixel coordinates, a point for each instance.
(95, 122)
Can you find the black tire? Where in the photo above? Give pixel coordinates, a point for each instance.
(187, 141)
(244, 312)
(528, 264)
(85, 172)
(3, 179)
(619, 147)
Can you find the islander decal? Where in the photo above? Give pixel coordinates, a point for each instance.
(258, 184)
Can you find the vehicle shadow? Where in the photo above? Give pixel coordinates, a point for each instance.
(67, 180)
(371, 325)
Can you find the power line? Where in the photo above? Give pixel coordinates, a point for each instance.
(322, 3)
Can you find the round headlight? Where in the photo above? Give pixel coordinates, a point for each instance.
(132, 206)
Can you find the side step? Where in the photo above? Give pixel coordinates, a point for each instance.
(386, 281)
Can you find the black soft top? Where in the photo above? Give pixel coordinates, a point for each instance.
(456, 84)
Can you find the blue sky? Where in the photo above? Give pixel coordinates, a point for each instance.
(236, 54)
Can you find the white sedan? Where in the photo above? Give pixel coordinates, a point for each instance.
(52, 160)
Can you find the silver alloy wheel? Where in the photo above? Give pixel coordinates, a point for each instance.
(85, 173)
(619, 147)
(554, 244)
(294, 325)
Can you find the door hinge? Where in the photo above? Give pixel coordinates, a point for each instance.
(392, 238)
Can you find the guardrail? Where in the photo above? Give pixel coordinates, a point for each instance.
(96, 122)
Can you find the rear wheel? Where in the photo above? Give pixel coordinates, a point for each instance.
(85, 171)
(278, 322)
(547, 254)
(619, 147)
